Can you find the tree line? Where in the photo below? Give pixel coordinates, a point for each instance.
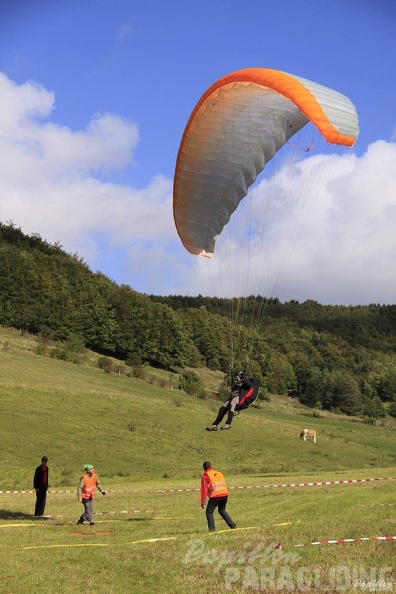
(340, 358)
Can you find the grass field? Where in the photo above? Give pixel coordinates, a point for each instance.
(143, 438)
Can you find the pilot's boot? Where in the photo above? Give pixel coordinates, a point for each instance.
(229, 421)
(218, 419)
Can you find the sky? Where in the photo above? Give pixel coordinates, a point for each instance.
(95, 95)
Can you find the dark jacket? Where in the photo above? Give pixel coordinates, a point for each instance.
(39, 475)
(241, 388)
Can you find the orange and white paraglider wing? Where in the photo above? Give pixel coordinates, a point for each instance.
(235, 129)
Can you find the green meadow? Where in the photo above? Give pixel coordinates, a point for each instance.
(147, 441)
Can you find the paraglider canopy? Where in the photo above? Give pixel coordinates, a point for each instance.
(237, 126)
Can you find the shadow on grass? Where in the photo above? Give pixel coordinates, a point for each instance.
(5, 514)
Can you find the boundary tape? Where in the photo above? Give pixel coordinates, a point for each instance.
(165, 538)
(31, 492)
(312, 484)
(344, 540)
(187, 490)
(103, 513)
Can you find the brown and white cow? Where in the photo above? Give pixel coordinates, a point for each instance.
(308, 433)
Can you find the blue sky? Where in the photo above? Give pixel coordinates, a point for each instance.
(95, 97)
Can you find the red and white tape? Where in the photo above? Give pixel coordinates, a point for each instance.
(103, 513)
(275, 486)
(344, 540)
(48, 492)
(279, 486)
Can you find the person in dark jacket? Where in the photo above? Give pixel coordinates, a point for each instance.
(240, 390)
(40, 484)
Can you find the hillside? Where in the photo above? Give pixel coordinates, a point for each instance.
(147, 440)
(147, 429)
(330, 358)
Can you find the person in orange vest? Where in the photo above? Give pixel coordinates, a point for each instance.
(86, 493)
(213, 486)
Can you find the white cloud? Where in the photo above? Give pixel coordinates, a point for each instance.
(124, 31)
(50, 178)
(329, 237)
(328, 232)
(347, 249)
(35, 150)
(22, 102)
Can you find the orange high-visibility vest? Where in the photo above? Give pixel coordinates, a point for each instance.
(216, 486)
(88, 490)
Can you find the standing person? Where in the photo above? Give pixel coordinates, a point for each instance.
(86, 493)
(213, 486)
(242, 389)
(40, 484)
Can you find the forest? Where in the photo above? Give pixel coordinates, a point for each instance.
(337, 358)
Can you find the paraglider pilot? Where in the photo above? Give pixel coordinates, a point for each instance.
(241, 390)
